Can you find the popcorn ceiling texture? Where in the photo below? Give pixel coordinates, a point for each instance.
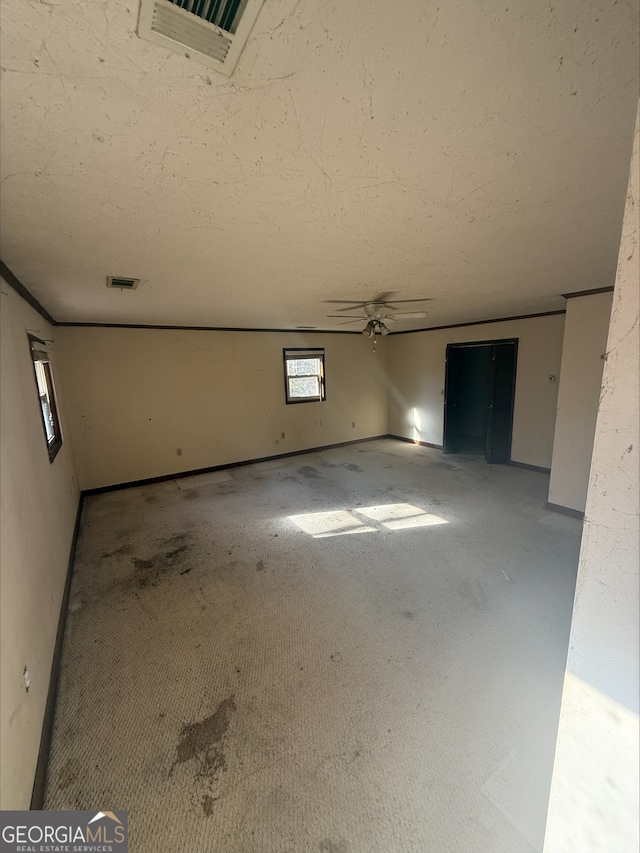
(473, 153)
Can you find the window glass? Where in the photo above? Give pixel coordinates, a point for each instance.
(304, 375)
(46, 396)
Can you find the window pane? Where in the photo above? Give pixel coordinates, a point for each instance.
(303, 366)
(46, 395)
(307, 386)
(45, 401)
(304, 375)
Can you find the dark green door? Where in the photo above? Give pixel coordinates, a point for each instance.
(478, 399)
(453, 390)
(501, 397)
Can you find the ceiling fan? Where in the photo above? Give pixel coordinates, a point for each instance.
(377, 312)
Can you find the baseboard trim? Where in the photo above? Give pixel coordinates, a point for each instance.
(564, 510)
(40, 779)
(163, 478)
(593, 290)
(528, 467)
(414, 441)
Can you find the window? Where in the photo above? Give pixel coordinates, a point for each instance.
(304, 375)
(46, 395)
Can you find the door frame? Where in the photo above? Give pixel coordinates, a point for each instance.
(466, 344)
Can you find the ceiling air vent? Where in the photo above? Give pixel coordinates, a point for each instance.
(210, 31)
(122, 283)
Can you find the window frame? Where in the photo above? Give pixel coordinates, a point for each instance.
(295, 353)
(39, 355)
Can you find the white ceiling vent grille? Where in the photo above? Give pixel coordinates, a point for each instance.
(210, 31)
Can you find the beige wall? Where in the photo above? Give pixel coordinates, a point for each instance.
(585, 341)
(416, 382)
(594, 793)
(135, 395)
(38, 503)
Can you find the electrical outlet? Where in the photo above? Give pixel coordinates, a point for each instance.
(178, 451)
(353, 424)
(281, 435)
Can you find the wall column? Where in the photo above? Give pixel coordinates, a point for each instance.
(594, 794)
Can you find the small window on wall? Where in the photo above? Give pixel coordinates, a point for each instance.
(304, 375)
(46, 395)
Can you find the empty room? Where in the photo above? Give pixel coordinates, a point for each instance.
(319, 427)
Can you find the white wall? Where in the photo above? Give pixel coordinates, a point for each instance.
(594, 794)
(38, 503)
(417, 372)
(135, 395)
(585, 340)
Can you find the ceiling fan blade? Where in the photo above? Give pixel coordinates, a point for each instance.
(409, 315)
(357, 320)
(342, 302)
(382, 297)
(355, 316)
(398, 301)
(350, 307)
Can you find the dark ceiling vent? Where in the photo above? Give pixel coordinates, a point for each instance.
(122, 283)
(223, 13)
(210, 31)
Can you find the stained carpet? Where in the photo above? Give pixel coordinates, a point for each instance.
(359, 650)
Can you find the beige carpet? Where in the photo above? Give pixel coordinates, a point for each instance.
(359, 650)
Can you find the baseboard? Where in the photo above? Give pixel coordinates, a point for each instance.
(178, 475)
(564, 510)
(528, 467)
(414, 441)
(440, 447)
(40, 779)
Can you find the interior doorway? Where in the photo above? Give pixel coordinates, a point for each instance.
(479, 393)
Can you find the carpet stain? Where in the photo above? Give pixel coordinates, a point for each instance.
(329, 846)
(70, 773)
(352, 467)
(151, 499)
(446, 466)
(260, 566)
(203, 740)
(326, 464)
(409, 614)
(207, 804)
(169, 560)
(190, 494)
(142, 564)
(475, 593)
(309, 471)
(118, 552)
(173, 552)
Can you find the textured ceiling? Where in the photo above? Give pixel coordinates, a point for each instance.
(473, 153)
